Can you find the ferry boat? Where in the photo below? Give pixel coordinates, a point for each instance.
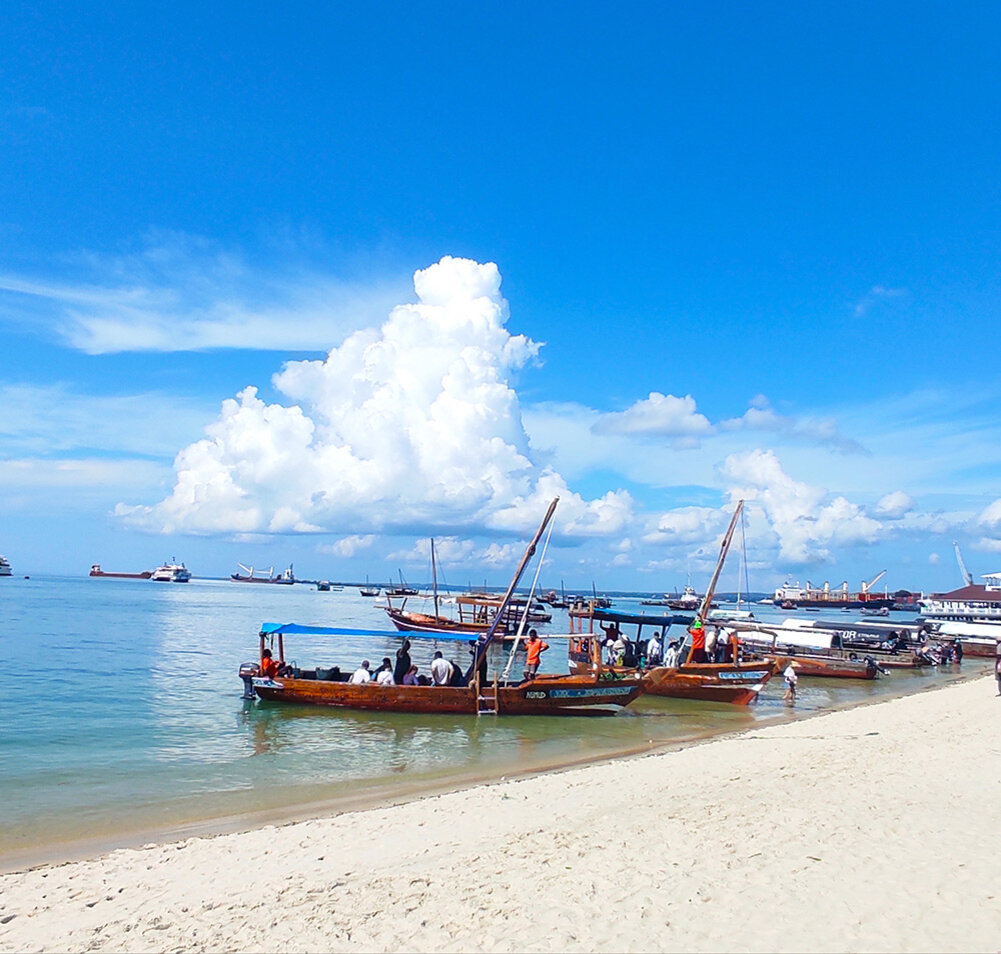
(793, 596)
(972, 603)
(171, 573)
(5, 568)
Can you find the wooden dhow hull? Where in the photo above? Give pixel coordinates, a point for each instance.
(408, 622)
(827, 667)
(544, 695)
(735, 683)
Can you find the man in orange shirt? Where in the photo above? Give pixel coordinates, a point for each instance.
(534, 649)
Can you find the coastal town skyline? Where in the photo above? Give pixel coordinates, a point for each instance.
(312, 300)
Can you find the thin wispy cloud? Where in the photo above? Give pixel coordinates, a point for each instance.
(184, 294)
(876, 295)
(823, 431)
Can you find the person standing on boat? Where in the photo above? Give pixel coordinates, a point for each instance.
(671, 656)
(403, 662)
(441, 669)
(361, 675)
(654, 650)
(534, 649)
(698, 634)
(792, 681)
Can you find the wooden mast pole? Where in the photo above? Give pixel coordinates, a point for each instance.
(434, 579)
(481, 646)
(703, 613)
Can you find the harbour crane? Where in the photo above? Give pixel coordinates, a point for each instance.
(866, 587)
(967, 575)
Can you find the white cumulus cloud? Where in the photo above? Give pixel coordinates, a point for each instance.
(659, 415)
(409, 425)
(805, 522)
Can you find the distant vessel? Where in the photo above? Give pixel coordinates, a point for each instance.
(367, 590)
(972, 603)
(5, 568)
(287, 577)
(689, 600)
(171, 573)
(402, 590)
(96, 570)
(794, 596)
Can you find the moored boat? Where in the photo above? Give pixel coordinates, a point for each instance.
(733, 679)
(565, 694)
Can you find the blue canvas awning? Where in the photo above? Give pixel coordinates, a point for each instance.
(296, 629)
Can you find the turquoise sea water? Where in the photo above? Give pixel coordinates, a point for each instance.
(121, 718)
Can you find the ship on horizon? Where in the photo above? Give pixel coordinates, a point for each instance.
(96, 570)
(794, 596)
(286, 577)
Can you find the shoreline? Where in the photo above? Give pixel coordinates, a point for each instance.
(725, 844)
(384, 793)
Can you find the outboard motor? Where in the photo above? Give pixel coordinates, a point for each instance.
(247, 672)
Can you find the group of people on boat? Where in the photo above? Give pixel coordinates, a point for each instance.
(716, 645)
(443, 672)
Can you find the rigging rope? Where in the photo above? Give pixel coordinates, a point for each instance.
(528, 604)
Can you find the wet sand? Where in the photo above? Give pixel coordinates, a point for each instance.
(871, 828)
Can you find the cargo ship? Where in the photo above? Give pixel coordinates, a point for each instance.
(96, 570)
(794, 596)
(287, 577)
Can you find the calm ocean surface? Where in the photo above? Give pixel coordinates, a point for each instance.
(122, 714)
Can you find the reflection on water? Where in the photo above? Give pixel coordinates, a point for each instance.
(132, 717)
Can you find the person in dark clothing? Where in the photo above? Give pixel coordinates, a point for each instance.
(957, 651)
(403, 662)
(477, 647)
(457, 679)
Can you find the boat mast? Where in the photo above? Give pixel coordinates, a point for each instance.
(703, 613)
(481, 646)
(434, 579)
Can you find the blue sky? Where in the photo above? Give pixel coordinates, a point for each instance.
(671, 256)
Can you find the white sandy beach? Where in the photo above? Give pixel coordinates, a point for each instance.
(872, 829)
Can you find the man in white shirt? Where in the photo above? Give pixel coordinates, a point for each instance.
(441, 670)
(361, 674)
(654, 649)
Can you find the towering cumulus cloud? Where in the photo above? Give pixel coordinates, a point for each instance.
(412, 424)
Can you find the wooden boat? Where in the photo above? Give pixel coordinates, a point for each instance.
(736, 681)
(815, 653)
(402, 590)
(473, 613)
(977, 639)
(892, 646)
(367, 590)
(570, 694)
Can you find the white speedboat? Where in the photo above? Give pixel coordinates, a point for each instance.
(5, 569)
(171, 573)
